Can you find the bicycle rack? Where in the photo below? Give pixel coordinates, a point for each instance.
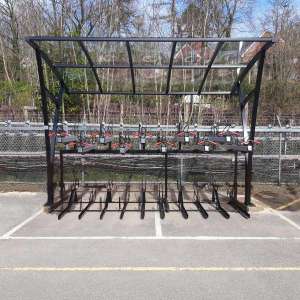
(216, 201)
(236, 205)
(108, 200)
(92, 200)
(160, 203)
(197, 202)
(72, 200)
(126, 196)
(181, 203)
(142, 199)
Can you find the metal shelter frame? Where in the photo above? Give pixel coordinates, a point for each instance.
(235, 91)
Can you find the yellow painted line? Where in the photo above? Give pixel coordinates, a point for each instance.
(281, 216)
(288, 204)
(259, 204)
(155, 238)
(151, 269)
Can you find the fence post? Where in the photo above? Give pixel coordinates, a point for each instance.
(279, 158)
(82, 160)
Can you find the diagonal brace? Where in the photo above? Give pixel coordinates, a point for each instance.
(91, 63)
(48, 61)
(170, 67)
(219, 46)
(131, 66)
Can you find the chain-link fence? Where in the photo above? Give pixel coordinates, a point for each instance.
(132, 114)
(22, 158)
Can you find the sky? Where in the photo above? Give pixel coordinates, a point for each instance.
(260, 8)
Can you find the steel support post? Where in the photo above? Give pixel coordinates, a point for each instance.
(61, 167)
(279, 158)
(249, 160)
(244, 113)
(235, 186)
(166, 176)
(56, 117)
(49, 161)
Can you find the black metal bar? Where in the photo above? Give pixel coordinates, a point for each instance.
(165, 198)
(233, 201)
(201, 209)
(256, 95)
(170, 67)
(197, 202)
(166, 204)
(50, 188)
(248, 171)
(240, 208)
(148, 66)
(134, 202)
(124, 209)
(52, 140)
(245, 71)
(91, 63)
(58, 101)
(229, 148)
(216, 93)
(235, 176)
(70, 203)
(136, 210)
(143, 202)
(247, 98)
(61, 180)
(181, 204)
(216, 200)
(218, 47)
(147, 39)
(160, 204)
(161, 208)
(108, 200)
(92, 200)
(130, 64)
(49, 62)
(126, 201)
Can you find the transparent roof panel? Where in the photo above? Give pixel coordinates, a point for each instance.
(219, 80)
(186, 80)
(111, 61)
(150, 80)
(80, 79)
(63, 52)
(228, 54)
(193, 53)
(104, 53)
(115, 80)
(151, 53)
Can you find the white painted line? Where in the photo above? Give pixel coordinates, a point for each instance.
(158, 231)
(150, 269)
(281, 216)
(18, 194)
(19, 226)
(196, 238)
